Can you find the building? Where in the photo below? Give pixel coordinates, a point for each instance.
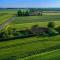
(35, 13)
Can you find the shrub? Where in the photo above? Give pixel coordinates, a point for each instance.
(51, 24)
(58, 29)
(51, 32)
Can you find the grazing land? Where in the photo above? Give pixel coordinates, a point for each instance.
(30, 19)
(4, 17)
(22, 48)
(30, 48)
(27, 22)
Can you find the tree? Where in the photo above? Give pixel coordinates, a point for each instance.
(27, 13)
(19, 13)
(32, 10)
(51, 24)
(41, 13)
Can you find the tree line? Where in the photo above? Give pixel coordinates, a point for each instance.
(23, 13)
(31, 12)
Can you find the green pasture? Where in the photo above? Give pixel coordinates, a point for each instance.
(51, 13)
(21, 49)
(29, 25)
(30, 19)
(52, 55)
(11, 11)
(5, 17)
(15, 49)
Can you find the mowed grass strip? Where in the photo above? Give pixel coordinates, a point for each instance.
(5, 18)
(26, 50)
(30, 19)
(24, 26)
(10, 11)
(19, 51)
(26, 41)
(51, 13)
(52, 55)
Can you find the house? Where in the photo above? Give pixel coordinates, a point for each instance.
(35, 13)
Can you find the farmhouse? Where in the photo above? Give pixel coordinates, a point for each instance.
(35, 13)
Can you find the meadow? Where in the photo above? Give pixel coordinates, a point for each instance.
(21, 23)
(22, 48)
(9, 11)
(4, 17)
(32, 48)
(30, 19)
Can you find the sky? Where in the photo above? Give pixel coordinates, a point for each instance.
(29, 3)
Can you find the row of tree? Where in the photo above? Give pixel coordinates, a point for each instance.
(29, 12)
(23, 13)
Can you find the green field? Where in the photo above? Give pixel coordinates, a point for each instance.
(21, 23)
(30, 19)
(53, 55)
(23, 47)
(32, 48)
(11, 11)
(4, 18)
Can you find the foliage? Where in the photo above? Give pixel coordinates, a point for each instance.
(19, 13)
(22, 13)
(51, 24)
(58, 29)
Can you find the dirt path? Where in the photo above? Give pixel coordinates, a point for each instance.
(7, 22)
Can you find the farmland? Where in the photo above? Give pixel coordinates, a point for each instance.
(23, 47)
(30, 48)
(46, 56)
(31, 19)
(28, 22)
(4, 18)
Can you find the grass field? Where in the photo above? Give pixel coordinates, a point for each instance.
(23, 47)
(25, 22)
(30, 19)
(11, 11)
(52, 55)
(24, 26)
(4, 18)
(21, 23)
(32, 48)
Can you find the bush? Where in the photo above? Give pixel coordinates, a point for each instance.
(51, 24)
(51, 32)
(58, 29)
